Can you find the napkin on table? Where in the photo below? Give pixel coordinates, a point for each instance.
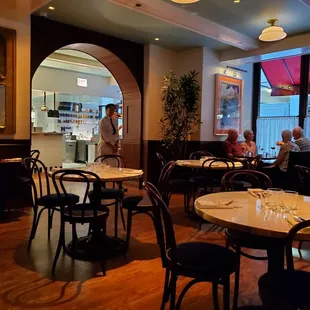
(207, 204)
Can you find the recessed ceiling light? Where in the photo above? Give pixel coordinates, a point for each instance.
(273, 32)
(156, 39)
(236, 1)
(52, 8)
(185, 1)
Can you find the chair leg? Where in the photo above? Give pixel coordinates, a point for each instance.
(200, 225)
(215, 296)
(116, 218)
(102, 265)
(172, 289)
(184, 291)
(60, 244)
(49, 217)
(237, 278)
(226, 293)
(33, 228)
(122, 217)
(74, 236)
(166, 292)
(129, 221)
(300, 245)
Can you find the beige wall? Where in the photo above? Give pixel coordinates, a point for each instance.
(158, 61)
(212, 66)
(22, 77)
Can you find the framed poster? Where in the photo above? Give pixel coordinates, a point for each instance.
(228, 104)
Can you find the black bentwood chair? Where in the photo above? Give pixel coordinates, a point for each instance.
(91, 212)
(287, 289)
(203, 262)
(241, 180)
(42, 196)
(35, 154)
(113, 194)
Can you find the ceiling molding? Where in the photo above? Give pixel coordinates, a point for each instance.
(182, 18)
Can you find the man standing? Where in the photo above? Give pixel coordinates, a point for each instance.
(232, 147)
(300, 140)
(109, 137)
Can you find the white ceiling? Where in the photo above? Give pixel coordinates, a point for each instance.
(244, 20)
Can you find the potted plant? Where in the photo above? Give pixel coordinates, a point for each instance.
(180, 101)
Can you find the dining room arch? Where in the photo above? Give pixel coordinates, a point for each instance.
(131, 95)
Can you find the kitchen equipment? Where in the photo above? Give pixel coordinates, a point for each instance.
(53, 113)
(70, 151)
(81, 152)
(44, 107)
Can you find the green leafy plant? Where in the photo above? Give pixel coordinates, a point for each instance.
(180, 101)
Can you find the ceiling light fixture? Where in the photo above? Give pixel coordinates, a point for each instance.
(236, 1)
(273, 32)
(156, 39)
(52, 8)
(185, 1)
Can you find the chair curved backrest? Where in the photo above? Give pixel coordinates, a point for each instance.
(289, 242)
(35, 165)
(118, 159)
(35, 154)
(164, 226)
(60, 177)
(161, 159)
(211, 163)
(231, 180)
(199, 154)
(304, 179)
(163, 181)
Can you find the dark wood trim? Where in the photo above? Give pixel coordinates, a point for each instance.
(303, 94)
(256, 94)
(11, 148)
(9, 81)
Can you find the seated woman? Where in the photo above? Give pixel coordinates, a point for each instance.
(248, 146)
(279, 167)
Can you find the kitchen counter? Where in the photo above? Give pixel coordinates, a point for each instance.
(47, 133)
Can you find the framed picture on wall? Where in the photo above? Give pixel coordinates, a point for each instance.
(228, 104)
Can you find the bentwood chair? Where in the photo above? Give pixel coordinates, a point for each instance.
(200, 261)
(113, 196)
(35, 154)
(91, 212)
(287, 289)
(241, 180)
(42, 196)
(199, 154)
(161, 160)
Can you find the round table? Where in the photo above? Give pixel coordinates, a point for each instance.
(193, 163)
(246, 215)
(100, 246)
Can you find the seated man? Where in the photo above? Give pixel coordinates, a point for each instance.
(300, 139)
(232, 148)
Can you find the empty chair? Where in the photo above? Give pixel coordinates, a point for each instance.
(35, 154)
(304, 179)
(235, 180)
(92, 212)
(114, 194)
(199, 154)
(287, 289)
(200, 261)
(42, 196)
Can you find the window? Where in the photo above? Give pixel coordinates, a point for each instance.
(280, 83)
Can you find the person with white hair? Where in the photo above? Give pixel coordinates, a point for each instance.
(300, 139)
(248, 145)
(278, 171)
(285, 149)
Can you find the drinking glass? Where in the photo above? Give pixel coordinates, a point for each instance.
(290, 200)
(275, 199)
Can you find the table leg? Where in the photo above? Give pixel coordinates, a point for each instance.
(275, 258)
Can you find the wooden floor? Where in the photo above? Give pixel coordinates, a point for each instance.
(132, 283)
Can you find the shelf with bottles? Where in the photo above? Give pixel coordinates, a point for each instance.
(78, 121)
(78, 115)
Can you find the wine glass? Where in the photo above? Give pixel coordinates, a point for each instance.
(273, 150)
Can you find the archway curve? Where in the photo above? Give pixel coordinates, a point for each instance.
(132, 99)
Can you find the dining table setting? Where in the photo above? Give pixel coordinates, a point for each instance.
(267, 213)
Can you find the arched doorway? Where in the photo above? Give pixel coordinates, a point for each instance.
(132, 99)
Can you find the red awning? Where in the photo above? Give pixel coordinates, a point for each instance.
(283, 75)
